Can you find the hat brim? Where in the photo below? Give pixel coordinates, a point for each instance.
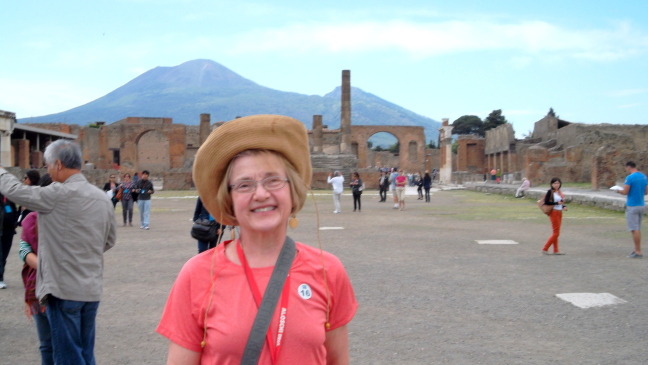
(278, 133)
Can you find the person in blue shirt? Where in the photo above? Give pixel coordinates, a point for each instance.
(635, 187)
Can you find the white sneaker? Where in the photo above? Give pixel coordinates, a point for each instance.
(335, 212)
(3, 285)
(146, 228)
(141, 227)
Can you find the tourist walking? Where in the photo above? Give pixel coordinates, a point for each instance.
(356, 189)
(200, 212)
(28, 254)
(427, 184)
(392, 180)
(383, 186)
(401, 182)
(31, 177)
(127, 201)
(556, 198)
(216, 313)
(112, 186)
(9, 223)
(337, 182)
(75, 227)
(419, 185)
(635, 187)
(144, 189)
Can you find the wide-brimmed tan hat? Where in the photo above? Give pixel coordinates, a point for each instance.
(278, 133)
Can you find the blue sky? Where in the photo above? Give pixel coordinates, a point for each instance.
(588, 60)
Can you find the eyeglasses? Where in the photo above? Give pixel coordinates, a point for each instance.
(249, 186)
(112, 177)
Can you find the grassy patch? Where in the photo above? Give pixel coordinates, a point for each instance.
(480, 206)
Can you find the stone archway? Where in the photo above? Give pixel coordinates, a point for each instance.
(411, 139)
(153, 151)
(382, 157)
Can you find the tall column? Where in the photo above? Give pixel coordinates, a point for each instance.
(345, 115)
(445, 173)
(205, 127)
(318, 140)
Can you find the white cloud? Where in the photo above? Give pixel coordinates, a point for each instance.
(626, 106)
(421, 40)
(627, 92)
(46, 97)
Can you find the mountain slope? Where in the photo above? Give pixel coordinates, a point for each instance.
(185, 91)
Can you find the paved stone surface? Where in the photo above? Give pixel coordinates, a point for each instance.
(428, 293)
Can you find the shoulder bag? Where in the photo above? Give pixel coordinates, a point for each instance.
(546, 209)
(263, 317)
(119, 194)
(204, 230)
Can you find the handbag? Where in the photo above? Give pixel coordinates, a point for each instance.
(119, 194)
(546, 209)
(204, 230)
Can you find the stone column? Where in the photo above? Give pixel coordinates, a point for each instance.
(205, 128)
(23, 153)
(345, 115)
(446, 153)
(318, 134)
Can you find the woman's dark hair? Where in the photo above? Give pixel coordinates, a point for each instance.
(553, 181)
(33, 176)
(427, 174)
(45, 180)
(356, 174)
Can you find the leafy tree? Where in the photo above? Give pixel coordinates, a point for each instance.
(432, 145)
(468, 124)
(395, 148)
(494, 119)
(378, 148)
(369, 144)
(553, 113)
(455, 147)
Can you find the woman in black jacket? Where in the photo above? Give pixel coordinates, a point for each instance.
(201, 213)
(556, 198)
(112, 186)
(427, 184)
(356, 186)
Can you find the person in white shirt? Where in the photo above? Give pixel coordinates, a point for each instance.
(338, 186)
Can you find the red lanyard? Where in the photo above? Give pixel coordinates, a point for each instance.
(283, 312)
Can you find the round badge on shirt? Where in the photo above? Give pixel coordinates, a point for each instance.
(305, 291)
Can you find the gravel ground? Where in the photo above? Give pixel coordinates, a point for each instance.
(428, 293)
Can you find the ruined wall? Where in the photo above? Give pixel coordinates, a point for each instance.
(411, 140)
(470, 154)
(499, 139)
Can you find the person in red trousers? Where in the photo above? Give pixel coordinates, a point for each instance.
(556, 198)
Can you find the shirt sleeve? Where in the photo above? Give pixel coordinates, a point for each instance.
(343, 301)
(180, 321)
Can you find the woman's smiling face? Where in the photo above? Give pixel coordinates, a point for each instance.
(261, 209)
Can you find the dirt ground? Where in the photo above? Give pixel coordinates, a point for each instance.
(428, 293)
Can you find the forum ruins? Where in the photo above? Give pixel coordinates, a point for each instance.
(575, 152)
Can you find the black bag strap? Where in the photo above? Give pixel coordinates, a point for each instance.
(263, 318)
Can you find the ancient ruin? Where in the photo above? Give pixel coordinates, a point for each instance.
(575, 152)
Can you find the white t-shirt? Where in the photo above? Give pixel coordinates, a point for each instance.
(337, 183)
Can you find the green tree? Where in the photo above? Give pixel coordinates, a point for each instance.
(494, 119)
(395, 148)
(369, 144)
(468, 124)
(553, 113)
(378, 148)
(455, 147)
(432, 145)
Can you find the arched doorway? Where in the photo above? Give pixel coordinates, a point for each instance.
(153, 151)
(383, 150)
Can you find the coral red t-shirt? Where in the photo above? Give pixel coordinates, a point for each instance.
(401, 180)
(233, 309)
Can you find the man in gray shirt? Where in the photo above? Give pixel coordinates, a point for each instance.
(76, 225)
